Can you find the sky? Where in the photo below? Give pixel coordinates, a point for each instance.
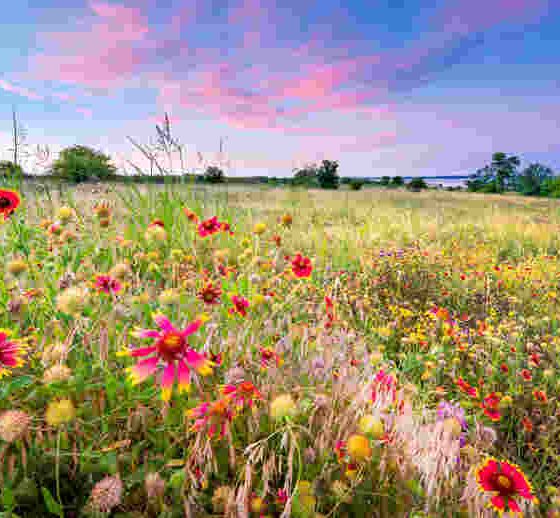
(385, 87)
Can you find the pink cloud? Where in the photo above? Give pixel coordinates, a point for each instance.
(20, 90)
(101, 55)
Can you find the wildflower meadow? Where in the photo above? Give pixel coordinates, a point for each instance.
(187, 350)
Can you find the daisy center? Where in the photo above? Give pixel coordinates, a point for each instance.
(5, 203)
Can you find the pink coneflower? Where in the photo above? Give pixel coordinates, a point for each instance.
(301, 266)
(171, 349)
(11, 353)
(240, 305)
(107, 284)
(209, 227)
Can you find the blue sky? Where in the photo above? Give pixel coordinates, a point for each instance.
(385, 87)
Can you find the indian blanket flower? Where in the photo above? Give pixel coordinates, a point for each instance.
(465, 387)
(171, 349)
(490, 404)
(384, 389)
(506, 484)
(11, 352)
(210, 294)
(209, 227)
(240, 305)
(9, 202)
(301, 266)
(243, 394)
(107, 284)
(191, 216)
(215, 415)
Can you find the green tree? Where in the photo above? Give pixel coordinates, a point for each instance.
(417, 184)
(80, 163)
(327, 175)
(505, 168)
(397, 181)
(530, 180)
(385, 180)
(214, 174)
(307, 175)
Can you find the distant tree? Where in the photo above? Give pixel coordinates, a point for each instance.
(385, 180)
(214, 174)
(10, 170)
(307, 175)
(530, 180)
(397, 181)
(505, 168)
(551, 187)
(417, 184)
(327, 175)
(79, 163)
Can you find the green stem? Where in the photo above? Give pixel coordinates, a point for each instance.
(57, 473)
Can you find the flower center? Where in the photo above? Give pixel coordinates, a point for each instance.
(4, 202)
(504, 482)
(171, 346)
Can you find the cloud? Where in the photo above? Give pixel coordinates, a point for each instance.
(20, 90)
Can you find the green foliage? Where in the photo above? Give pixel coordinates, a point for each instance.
(550, 187)
(501, 172)
(80, 163)
(327, 175)
(529, 182)
(214, 174)
(356, 185)
(417, 184)
(306, 176)
(385, 180)
(397, 181)
(10, 170)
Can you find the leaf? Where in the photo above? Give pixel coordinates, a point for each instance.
(52, 505)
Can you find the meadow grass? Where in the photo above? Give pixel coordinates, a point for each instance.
(423, 341)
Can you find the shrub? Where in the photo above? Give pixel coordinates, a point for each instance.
(306, 176)
(327, 175)
(356, 185)
(214, 174)
(80, 163)
(9, 169)
(397, 181)
(417, 184)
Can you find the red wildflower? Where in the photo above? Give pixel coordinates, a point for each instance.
(504, 368)
(226, 227)
(506, 482)
(527, 424)
(157, 223)
(11, 353)
(526, 374)
(465, 387)
(490, 405)
(243, 394)
(106, 284)
(340, 450)
(540, 395)
(301, 266)
(209, 227)
(9, 202)
(210, 294)
(240, 305)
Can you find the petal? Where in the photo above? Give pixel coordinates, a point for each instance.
(146, 333)
(167, 381)
(498, 503)
(184, 377)
(164, 323)
(143, 369)
(199, 362)
(513, 506)
(141, 351)
(192, 328)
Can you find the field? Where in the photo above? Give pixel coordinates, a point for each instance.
(192, 351)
